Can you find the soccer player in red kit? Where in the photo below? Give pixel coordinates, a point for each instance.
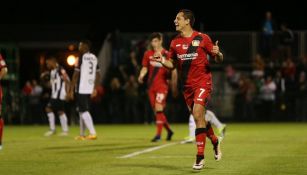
(157, 84)
(3, 72)
(188, 53)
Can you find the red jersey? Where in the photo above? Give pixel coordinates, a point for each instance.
(157, 74)
(190, 53)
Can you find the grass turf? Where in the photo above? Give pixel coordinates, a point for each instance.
(247, 149)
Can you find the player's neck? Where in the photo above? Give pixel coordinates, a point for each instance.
(159, 49)
(187, 32)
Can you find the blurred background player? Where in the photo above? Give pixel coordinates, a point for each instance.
(211, 119)
(188, 52)
(59, 82)
(84, 82)
(157, 84)
(3, 72)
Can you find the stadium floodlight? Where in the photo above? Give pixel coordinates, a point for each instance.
(71, 60)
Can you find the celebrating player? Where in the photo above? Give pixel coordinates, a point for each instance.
(84, 82)
(3, 72)
(157, 84)
(188, 52)
(59, 82)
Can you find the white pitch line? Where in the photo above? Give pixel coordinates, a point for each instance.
(147, 150)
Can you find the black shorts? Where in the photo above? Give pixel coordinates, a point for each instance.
(56, 105)
(83, 102)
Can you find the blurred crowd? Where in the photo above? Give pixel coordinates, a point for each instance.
(272, 88)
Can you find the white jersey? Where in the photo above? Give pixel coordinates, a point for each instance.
(58, 86)
(87, 65)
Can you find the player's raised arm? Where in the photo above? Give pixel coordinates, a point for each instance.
(218, 54)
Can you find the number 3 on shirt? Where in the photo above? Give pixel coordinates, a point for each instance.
(91, 67)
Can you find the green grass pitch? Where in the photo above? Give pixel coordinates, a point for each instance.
(262, 149)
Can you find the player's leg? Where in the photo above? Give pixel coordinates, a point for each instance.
(211, 117)
(200, 135)
(86, 116)
(82, 129)
(64, 123)
(51, 119)
(62, 117)
(159, 118)
(215, 142)
(192, 126)
(160, 104)
(1, 119)
(1, 128)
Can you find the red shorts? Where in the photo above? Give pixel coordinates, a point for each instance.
(200, 95)
(157, 95)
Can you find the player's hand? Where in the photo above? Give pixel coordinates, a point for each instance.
(70, 95)
(175, 93)
(216, 49)
(94, 93)
(157, 57)
(140, 80)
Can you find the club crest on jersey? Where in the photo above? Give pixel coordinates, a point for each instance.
(185, 46)
(195, 43)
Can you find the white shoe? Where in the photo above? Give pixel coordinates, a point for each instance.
(63, 134)
(199, 165)
(1, 147)
(217, 151)
(49, 133)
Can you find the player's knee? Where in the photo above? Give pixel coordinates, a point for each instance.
(158, 107)
(61, 112)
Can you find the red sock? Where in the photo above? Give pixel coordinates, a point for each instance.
(165, 122)
(200, 134)
(1, 129)
(211, 135)
(159, 123)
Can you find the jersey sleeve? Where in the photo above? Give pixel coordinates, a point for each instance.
(207, 44)
(2, 62)
(145, 60)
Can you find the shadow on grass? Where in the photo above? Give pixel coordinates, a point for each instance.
(176, 168)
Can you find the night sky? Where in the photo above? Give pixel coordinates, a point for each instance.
(139, 16)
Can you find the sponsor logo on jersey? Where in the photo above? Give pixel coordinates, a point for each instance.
(178, 45)
(187, 56)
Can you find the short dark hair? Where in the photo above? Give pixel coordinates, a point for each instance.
(87, 42)
(188, 14)
(156, 35)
